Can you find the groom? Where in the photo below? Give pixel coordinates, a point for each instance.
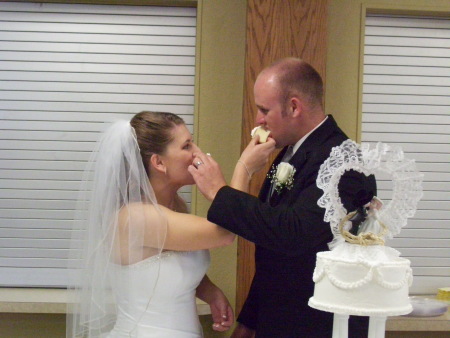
(287, 225)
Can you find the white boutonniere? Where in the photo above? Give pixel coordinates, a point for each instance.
(282, 176)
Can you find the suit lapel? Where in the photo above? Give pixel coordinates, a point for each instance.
(265, 189)
(312, 144)
(297, 161)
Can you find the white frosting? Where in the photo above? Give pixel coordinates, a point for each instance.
(362, 280)
(252, 133)
(357, 311)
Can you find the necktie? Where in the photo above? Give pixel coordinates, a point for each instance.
(288, 155)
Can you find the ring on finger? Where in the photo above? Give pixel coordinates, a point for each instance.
(198, 163)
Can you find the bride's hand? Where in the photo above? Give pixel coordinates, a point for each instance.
(222, 312)
(256, 155)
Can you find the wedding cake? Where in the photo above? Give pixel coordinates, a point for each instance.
(360, 275)
(361, 281)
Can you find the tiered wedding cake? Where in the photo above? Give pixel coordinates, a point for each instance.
(360, 275)
(358, 280)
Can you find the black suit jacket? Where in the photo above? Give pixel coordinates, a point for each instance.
(288, 233)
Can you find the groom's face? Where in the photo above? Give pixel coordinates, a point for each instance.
(270, 107)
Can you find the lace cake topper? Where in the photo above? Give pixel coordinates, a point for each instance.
(382, 159)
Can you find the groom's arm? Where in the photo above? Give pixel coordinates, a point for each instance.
(288, 228)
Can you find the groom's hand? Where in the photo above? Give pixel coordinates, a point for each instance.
(207, 175)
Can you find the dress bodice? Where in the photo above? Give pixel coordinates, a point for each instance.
(156, 296)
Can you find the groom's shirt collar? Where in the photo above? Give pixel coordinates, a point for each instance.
(303, 139)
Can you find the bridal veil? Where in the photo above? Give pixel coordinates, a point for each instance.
(109, 233)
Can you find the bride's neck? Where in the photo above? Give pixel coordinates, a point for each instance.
(166, 194)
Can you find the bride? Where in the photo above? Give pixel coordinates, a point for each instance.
(143, 257)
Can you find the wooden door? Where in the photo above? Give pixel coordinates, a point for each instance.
(275, 29)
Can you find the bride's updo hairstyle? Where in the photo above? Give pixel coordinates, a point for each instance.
(153, 132)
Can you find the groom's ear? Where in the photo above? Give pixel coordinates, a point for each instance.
(296, 106)
(157, 164)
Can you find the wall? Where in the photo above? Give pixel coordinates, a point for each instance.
(219, 97)
(344, 42)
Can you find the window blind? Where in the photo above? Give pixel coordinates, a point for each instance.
(65, 70)
(406, 102)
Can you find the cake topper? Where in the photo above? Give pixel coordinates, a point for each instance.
(377, 220)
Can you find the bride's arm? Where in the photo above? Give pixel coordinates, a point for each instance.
(191, 232)
(185, 232)
(241, 177)
(254, 157)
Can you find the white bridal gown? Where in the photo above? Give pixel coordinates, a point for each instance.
(172, 311)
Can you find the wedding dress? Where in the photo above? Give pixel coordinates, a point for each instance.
(171, 311)
(118, 220)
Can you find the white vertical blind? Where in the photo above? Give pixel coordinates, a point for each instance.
(64, 71)
(406, 102)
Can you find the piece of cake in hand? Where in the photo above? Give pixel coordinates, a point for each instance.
(263, 134)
